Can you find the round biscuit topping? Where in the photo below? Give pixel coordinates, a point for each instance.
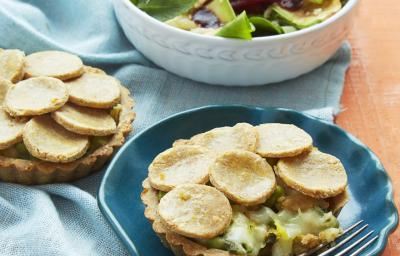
(35, 96)
(196, 211)
(10, 130)
(48, 141)
(86, 121)
(94, 90)
(244, 177)
(282, 140)
(4, 85)
(180, 165)
(315, 174)
(61, 65)
(12, 64)
(242, 136)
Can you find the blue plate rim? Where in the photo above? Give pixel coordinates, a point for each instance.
(106, 211)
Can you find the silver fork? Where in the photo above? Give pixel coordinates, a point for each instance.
(357, 230)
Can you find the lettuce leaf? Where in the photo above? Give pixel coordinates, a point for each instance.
(164, 9)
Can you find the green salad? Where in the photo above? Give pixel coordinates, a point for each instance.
(242, 19)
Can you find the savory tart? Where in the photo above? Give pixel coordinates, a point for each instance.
(47, 138)
(242, 136)
(57, 64)
(247, 209)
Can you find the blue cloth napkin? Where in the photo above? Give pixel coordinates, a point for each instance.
(63, 219)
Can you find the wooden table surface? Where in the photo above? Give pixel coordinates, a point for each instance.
(371, 98)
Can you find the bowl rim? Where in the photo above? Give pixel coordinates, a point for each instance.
(194, 36)
(389, 198)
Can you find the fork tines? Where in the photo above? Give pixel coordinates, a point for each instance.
(348, 234)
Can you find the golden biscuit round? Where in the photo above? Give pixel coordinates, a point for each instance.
(93, 70)
(196, 211)
(49, 141)
(86, 121)
(35, 96)
(12, 64)
(282, 140)
(244, 177)
(10, 130)
(94, 90)
(61, 65)
(314, 174)
(180, 165)
(4, 85)
(242, 136)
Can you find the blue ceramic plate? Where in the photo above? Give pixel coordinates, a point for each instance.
(370, 189)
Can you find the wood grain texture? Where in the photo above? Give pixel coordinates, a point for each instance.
(371, 98)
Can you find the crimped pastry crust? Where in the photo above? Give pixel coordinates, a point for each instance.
(40, 172)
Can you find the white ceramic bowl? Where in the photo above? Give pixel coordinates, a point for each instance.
(222, 61)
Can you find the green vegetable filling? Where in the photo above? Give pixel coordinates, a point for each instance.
(252, 231)
(17, 151)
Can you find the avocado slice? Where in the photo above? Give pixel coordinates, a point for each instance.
(222, 9)
(310, 14)
(182, 22)
(240, 28)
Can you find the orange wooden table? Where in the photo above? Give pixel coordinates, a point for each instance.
(371, 98)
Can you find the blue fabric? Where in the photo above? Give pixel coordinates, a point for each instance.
(63, 219)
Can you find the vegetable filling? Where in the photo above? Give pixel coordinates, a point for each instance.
(275, 228)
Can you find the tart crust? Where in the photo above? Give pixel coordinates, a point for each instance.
(40, 172)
